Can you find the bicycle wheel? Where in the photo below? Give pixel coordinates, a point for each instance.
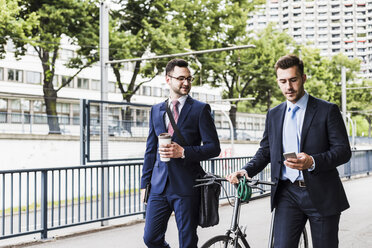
(221, 241)
(304, 242)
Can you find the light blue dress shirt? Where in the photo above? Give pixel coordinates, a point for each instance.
(300, 114)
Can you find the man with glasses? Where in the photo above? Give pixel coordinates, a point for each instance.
(172, 182)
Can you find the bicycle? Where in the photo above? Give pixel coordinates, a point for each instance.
(234, 236)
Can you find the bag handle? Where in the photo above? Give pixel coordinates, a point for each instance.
(175, 127)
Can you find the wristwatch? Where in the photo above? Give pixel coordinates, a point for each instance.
(183, 154)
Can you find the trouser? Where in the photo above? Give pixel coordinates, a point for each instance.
(158, 212)
(293, 209)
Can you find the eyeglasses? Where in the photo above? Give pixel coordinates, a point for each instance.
(182, 78)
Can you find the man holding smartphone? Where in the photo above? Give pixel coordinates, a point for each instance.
(305, 140)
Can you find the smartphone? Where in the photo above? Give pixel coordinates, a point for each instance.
(289, 155)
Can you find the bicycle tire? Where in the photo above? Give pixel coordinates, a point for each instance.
(221, 241)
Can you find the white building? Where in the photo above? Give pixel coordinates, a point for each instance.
(332, 26)
(22, 107)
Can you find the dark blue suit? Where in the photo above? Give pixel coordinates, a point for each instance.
(323, 137)
(172, 182)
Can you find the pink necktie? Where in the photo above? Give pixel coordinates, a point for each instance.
(175, 116)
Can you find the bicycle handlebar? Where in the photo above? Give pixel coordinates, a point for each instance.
(214, 179)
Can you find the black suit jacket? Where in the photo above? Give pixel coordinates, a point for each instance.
(324, 137)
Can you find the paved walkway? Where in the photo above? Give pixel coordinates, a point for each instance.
(355, 226)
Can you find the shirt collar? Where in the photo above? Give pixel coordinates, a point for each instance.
(182, 100)
(302, 103)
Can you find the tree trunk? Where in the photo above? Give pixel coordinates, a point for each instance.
(50, 96)
(268, 99)
(369, 119)
(51, 110)
(232, 115)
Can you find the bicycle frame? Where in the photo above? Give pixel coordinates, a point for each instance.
(234, 227)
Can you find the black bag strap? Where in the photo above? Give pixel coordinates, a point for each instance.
(175, 127)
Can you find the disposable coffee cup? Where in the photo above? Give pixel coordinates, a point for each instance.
(164, 139)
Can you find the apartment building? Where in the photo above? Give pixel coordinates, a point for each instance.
(333, 26)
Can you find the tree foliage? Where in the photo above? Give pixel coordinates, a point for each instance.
(141, 28)
(43, 25)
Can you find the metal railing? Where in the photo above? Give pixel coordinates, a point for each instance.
(41, 200)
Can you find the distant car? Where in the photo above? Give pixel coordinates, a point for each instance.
(243, 136)
(118, 131)
(112, 131)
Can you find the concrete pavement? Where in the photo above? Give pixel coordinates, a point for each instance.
(355, 226)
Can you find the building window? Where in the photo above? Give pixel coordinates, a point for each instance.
(3, 110)
(66, 54)
(15, 75)
(1, 74)
(111, 87)
(146, 90)
(210, 97)
(141, 117)
(166, 92)
(63, 110)
(39, 110)
(195, 95)
(156, 91)
(33, 77)
(76, 114)
(95, 84)
(83, 83)
(19, 107)
(203, 97)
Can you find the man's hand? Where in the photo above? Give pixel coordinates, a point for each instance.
(233, 177)
(143, 191)
(172, 150)
(302, 162)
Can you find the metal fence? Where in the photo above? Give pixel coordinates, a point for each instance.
(41, 200)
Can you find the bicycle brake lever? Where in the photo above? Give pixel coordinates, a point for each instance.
(259, 188)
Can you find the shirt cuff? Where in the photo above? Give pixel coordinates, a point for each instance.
(313, 165)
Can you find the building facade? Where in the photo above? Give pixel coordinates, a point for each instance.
(22, 107)
(333, 26)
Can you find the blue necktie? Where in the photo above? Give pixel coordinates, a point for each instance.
(291, 141)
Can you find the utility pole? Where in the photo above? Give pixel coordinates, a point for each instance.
(343, 93)
(104, 56)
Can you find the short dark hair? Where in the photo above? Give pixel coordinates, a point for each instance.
(288, 61)
(173, 63)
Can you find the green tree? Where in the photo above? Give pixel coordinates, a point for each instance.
(213, 24)
(140, 28)
(359, 104)
(11, 26)
(51, 21)
(259, 69)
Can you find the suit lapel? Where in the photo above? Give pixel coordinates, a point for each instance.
(309, 115)
(185, 110)
(279, 119)
(162, 117)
